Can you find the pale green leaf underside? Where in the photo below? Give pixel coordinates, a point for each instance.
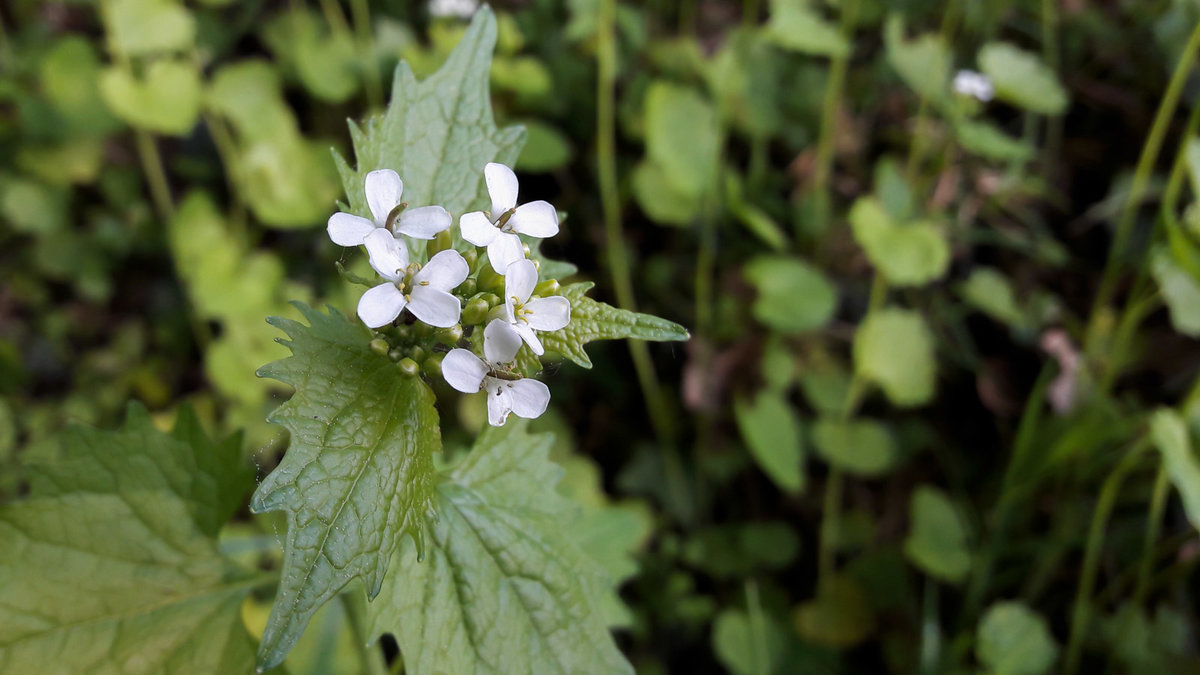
(937, 542)
(502, 587)
(357, 475)
(116, 555)
(1015, 640)
(592, 320)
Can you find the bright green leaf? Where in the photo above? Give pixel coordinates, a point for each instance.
(771, 429)
(546, 149)
(860, 447)
(1015, 640)
(894, 349)
(141, 27)
(796, 25)
(761, 225)
(747, 642)
(909, 254)
(793, 296)
(1183, 466)
(69, 74)
(166, 99)
(744, 77)
(923, 62)
(985, 140)
(502, 587)
(1022, 79)
(1180, 290)
(325, 63)
(33, 208)
(592, 320)
(992, 293)
(937, 540)
(660, 199)
(682, 137)
(114, 555)
(358, 474)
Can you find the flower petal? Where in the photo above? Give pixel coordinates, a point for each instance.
(464, 371)
(477, 229)
(388, 256)
(536, 219)
(383, 188)
(502, 187)
(528, 397)
(505, 250)
(380, 305)
(434, 307)
(529, 337)
(423, 222)
(499, 401)
(500, 342)
(347, 229)
(519, 280)
(444, 271)
(550, 313)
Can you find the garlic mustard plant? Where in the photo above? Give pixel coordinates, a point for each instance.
(425, 291)
(384, 189)
(508, 392)
(527, 314)
(498, 229)
(976, 85)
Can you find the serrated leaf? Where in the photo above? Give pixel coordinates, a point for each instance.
(358, 474)
(793, 296)
(437, 133)
(502, 588)
(592, 320)
(1015, 640)
(909, 254)
(937, 541)
(894, 349)
(1171, 436)
(1022, 79)
(111, 563)
(771, 430)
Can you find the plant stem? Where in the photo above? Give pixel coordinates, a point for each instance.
(1081, 613)
(823, 168)
(618, 255)
(156, 176)
(1158, 504)
(1137, 188)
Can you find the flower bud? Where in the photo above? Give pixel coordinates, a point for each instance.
(404, 332)
(379, 346)
(422, 330)
(496, 312)
(408, 367)
(475, 311)
(449, 336)
(417, 353)
(546, 288)
(439, 243)
(432, 366)
(467, 288)
(396, 354)
(472, 257)
(489, 280)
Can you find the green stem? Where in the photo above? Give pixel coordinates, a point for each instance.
(618, 255)
(1081, 612)
(829, 119)
(758, 629)
(360, 12)
(1158, 505)
(156, 176)
(1137, 188)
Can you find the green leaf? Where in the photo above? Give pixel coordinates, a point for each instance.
(69, 74)
(1022, 79)
(992, 293)
(793, 296)
(503, 587)
(860, 447)
(894, 349)
(771, 430)
(438, 133)
(547, 148)
(111, 562)
(325, 63)
(911, 254)
(141, 27)
(795, 25)
(592, 320)
(1180, 290)
(745, 78)
(682, 137)
(166, 99)
(747, 642)
(358, 474)
(738, 551)
(1170, 434)
(839, 617)
(985, 140)
(662, 201)
(923, 62)
(1015, 640)
(937, 541)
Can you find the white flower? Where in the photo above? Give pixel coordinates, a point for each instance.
(497, 229)
(459, 8)
(527, 316)
(973, 84)
(507, 392)
(384, 188)
(425, 291)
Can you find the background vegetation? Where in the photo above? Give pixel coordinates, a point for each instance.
(937, 410)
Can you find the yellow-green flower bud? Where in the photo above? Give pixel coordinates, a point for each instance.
(408, 367)
(475, 312)
(379, 346)
(432, 366)
(449, 336)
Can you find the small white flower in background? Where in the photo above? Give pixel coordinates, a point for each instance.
(498, 229)
(506, 391)
(425, 291)
(463, 9)
(973, 84)
(384, 188)
(527, 316)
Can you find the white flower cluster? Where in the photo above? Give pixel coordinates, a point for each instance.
(428, 291)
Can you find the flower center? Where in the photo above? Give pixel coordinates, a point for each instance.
(405, 285)
(502, 221)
